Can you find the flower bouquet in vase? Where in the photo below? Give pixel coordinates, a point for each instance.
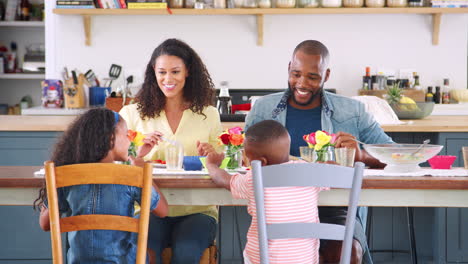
(320, 144)
(136, 140)
(233, 140)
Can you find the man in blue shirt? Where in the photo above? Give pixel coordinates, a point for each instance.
(304, 108)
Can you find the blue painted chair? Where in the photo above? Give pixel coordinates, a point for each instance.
(300, 174)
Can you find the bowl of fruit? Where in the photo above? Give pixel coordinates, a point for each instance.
(405, 107)
(402, 157)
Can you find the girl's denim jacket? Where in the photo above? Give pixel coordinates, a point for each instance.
(101, 246)
(339, 113)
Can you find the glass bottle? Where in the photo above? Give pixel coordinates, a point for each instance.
(25, 9)
(429, 95)
(224, 104)
(366, 80)
(437, 95)
(416, 84)
(445, 92)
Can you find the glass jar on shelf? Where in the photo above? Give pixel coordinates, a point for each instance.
(330, 3)
(308, 3)
(353, 3)
(285, 3)
(249, 4)
(397, 3)
(264, 3)
(375, 3)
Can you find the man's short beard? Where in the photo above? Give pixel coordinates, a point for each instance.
(291, 94)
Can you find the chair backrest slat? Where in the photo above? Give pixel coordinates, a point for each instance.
(98, 173)
(301, 175)
(99, 222)
(307, 174)
(305, 230)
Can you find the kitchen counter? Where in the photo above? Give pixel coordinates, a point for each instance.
(60, 123)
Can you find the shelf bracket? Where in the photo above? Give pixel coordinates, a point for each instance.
(259, 29)
(436, 17)
(87, 29)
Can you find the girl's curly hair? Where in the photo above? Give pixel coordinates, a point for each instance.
(198, 90)
(87, 140)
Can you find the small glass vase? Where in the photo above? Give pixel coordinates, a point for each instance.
(235, 157)
(323, 155)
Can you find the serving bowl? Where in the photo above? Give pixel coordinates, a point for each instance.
(419, 110)
(402, 157)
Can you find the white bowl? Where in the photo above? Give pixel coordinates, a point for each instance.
(402, 157)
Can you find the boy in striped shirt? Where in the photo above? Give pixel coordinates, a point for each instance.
(269, 142)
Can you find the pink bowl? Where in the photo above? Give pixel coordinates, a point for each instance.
(442, 162)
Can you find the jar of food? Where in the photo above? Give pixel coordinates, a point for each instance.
(176, 3)
(397, 3)
(375, 3)
(353, 3)
(330, 3)
(308, 3)
(285, 3)
(219, 4)
(264, 3)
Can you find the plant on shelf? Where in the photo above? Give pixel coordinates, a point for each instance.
(320, 141)
(233, 140)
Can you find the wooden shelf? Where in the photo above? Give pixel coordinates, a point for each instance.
(21, 23)
(23, 76)
(260, 12)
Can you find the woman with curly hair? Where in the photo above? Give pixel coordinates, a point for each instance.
(176, 100)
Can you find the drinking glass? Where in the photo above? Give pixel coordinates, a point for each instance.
(174, 156)
(345, 156)
(465, 157)
(306, 153)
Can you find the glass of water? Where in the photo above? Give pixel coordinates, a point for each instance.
(345, 156)
(174, 156)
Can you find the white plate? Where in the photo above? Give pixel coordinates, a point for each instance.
(159, 165)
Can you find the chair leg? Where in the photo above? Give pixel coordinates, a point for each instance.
(414, 256)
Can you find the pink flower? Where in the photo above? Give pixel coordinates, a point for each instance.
(235, 130)
(333, 139)
(310, 138)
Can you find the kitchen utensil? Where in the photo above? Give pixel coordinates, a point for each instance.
(399, 157)
(114, 72)
(91, 77)
(425, 142)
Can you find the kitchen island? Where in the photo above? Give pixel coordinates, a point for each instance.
(26, 141)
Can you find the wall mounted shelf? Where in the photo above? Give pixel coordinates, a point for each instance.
(23, 76)
(260, 12)
(21, 23)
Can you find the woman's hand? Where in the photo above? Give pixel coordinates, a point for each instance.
(346, 140)
(149, 142)
(204, 148)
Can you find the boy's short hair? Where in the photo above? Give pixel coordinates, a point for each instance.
(265, 131)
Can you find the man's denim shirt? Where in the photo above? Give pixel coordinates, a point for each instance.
(101, 246)
(339, 113)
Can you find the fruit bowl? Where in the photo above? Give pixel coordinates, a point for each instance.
(402, 157)
(419, 110)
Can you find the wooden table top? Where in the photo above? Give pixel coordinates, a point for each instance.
(60, 123)
(23, 177)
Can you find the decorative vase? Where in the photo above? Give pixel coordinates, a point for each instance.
(323, 155)
(235, 157)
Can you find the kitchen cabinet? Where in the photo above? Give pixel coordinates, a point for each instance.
(24, 33)
(436, 14)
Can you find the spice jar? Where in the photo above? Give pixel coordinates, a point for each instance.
(353, 3)
(285, 3)
(375, 3)
(330, 3)
(397, 3)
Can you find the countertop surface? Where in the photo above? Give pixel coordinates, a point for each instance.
(60, 123)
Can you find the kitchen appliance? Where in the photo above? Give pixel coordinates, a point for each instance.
(224, 104)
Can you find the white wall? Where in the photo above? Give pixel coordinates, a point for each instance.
(227, 44)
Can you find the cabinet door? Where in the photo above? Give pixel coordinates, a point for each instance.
(457, 235)
(21, 237)
(26, 148)
(453, 145)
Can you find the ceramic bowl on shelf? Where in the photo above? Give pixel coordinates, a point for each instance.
(402, 157)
